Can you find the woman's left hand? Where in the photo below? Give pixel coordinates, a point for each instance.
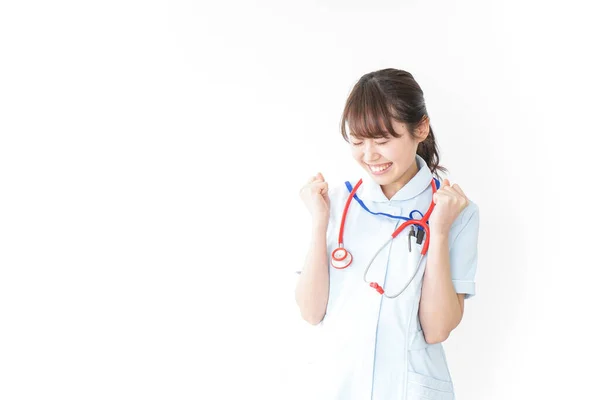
(449, 201)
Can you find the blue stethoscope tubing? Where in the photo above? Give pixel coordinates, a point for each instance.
(362, 204)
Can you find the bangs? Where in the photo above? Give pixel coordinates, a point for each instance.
(367, 113)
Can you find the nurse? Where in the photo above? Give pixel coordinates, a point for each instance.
(373, 346)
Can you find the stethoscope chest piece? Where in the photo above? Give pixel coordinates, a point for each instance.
(341, 258)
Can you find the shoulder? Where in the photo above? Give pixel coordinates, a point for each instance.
(467, 221)
(471, 211)
(338, 195)
(341, 189)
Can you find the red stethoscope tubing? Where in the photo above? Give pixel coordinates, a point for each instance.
(340, 254)
(421, 222)
(341, 235)
(341, 258)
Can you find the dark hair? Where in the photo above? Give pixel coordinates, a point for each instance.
(385, 94)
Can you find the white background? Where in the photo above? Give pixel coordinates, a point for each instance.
(151, 154)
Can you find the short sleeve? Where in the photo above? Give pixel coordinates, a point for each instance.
(463, 252)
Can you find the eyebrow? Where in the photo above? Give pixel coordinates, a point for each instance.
(384, 135)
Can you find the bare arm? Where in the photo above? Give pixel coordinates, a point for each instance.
(441, 309)
(312, 289)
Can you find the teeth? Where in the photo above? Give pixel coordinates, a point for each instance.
(379, 168)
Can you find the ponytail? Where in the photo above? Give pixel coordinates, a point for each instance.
(428, 150)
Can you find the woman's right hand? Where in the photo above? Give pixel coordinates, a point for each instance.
(316, 199)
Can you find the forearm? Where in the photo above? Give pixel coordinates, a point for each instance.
(440, 310)
(312, 289)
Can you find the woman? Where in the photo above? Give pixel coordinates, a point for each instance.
(383, 311)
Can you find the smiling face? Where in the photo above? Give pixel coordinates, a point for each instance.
(385, 121)
(390, 160)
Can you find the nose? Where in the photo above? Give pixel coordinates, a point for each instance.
(369, 153)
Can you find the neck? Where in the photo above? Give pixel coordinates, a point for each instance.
(391, 189)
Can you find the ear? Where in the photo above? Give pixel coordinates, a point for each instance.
(422, 130)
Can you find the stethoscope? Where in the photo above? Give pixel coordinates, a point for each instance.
(341, 258)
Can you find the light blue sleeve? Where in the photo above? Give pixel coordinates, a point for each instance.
(463, 251)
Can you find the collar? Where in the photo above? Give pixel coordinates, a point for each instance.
(371, 190)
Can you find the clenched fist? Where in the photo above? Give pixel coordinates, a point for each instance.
(315, 198)
(449, 201)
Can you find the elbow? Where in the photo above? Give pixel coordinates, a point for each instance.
(309, 315)
(439, 332)
(313, 318)
(436, 337)
(315, 321)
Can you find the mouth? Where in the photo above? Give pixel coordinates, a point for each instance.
(379, 169)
